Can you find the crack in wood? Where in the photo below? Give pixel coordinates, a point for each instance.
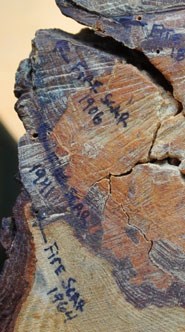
(97, 160)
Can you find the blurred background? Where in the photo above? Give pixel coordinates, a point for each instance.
(19, 21)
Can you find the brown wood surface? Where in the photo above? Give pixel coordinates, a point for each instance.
(103, 163)
(17, 272)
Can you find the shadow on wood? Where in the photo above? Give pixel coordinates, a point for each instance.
(9, 188)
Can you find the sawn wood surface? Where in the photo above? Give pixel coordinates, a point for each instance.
(103, 164)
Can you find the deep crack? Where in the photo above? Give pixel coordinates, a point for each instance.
(131, 56)
(137, 228)
(153, 141)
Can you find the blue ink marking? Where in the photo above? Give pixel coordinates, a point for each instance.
(115, 110)
(160, 32)
(79, 209)
(42, 231)
(68, 294)
(92, 109)
(129, 21)
(79, 67)
(58, 173)
(41, 180)
(62, 45)
(161, 37)
(54, 258)
(176, 38)
(40, 215)
(97, 119)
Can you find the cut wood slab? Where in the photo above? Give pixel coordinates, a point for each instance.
(109, 231)
(103, 165)
(156, 28)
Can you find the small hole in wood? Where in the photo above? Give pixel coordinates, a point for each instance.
(35, 135)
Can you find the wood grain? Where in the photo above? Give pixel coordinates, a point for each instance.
(122, 7)
(17, 272)
(156, 28)
(103, 164)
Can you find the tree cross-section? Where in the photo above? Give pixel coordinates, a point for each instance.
(101, 219)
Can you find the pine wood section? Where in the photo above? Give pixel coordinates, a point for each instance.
(105, 307)
(154, 27)
(102, 161)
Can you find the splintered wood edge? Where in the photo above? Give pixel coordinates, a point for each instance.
(160, 35)
(62, 243)
(17, 274)
(124, 8)
(55, 230)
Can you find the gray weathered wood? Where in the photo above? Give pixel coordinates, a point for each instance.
(103, 164)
